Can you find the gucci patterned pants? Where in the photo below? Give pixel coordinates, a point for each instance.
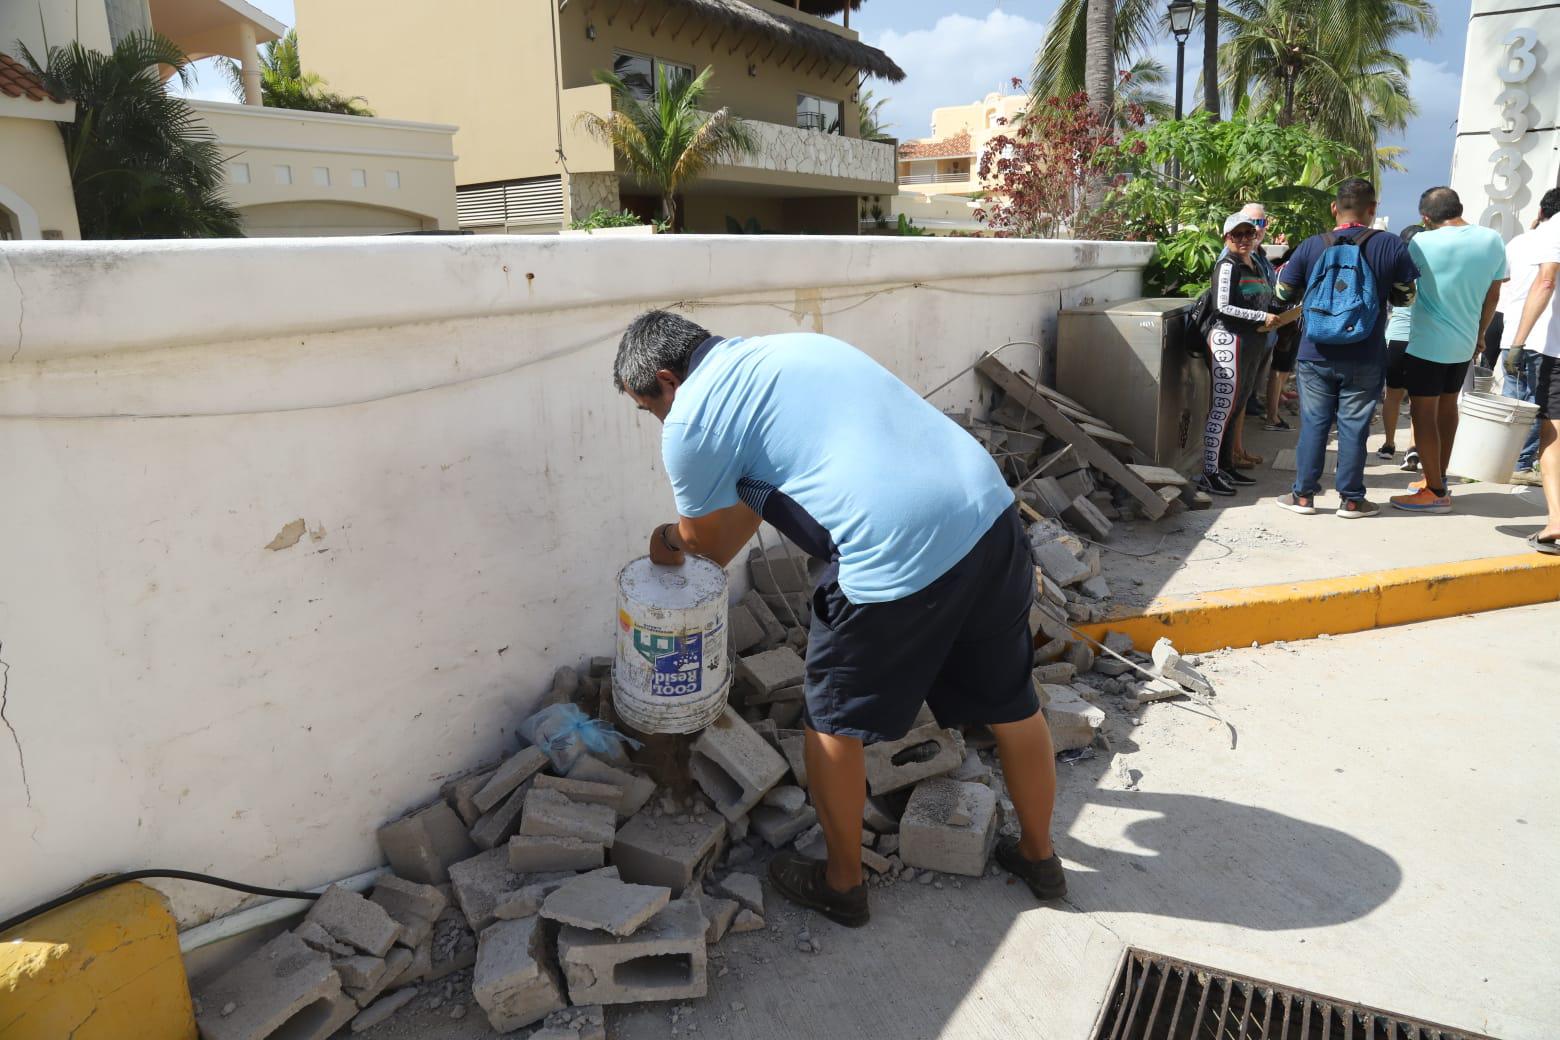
(1224, 349)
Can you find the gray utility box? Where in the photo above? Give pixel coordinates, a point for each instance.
(1126, 363)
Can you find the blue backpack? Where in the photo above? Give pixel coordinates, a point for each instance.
(1341, 301)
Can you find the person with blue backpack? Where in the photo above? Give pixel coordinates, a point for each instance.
(1345, 279)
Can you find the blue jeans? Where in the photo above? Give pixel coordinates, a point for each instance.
(1344, 392)
(1525, 388)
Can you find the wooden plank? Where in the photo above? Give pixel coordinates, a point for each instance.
(1055, 396)
(1029, 511)
(1105, 433)
(1158, 476)
(1170, 493)
(1089, 449)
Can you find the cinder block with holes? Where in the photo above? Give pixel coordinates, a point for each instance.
(282, 988)
(674, 851)
(664, 960)
(925, 751)
(421, 845)
(516, 981)
(734, 765)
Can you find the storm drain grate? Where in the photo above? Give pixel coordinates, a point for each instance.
(1154, 997)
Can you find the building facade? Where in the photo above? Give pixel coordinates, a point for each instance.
(1508, 147)
(948, 162)
(528, 74)
(35, 194)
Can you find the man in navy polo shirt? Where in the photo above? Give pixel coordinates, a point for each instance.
(927, 591)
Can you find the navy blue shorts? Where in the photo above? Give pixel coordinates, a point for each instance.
(962, 645)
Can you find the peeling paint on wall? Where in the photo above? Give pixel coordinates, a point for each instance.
(288, 536)
(809, 303)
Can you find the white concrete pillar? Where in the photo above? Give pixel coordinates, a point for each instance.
(249, 63)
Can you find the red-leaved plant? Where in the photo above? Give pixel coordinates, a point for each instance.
(1049, 178)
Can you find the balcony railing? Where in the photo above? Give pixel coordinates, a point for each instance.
(937, 178)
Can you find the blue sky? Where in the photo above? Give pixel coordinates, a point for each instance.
(956, 51)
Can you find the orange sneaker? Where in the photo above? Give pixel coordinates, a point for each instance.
(1417, 485)
(1423, 501)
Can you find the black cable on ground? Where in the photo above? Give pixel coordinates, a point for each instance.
(136, 875)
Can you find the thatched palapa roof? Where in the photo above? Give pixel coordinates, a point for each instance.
(795, 33)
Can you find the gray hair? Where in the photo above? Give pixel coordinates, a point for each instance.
(654, 341)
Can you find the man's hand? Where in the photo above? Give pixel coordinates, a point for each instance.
(1512, 362)
(665, 548)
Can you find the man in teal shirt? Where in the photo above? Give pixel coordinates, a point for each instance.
(1461, 267)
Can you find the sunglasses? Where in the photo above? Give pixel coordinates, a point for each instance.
(1259, 222)
(1242, 235)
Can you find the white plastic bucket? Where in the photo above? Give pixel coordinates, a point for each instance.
(671, 674)
(1483, 379)
(1490, 436)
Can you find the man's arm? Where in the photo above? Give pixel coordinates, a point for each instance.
(1538, 298)
(719, 535)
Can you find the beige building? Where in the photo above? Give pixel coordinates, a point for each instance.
(289, 173)
(948, 162)
(519, 74)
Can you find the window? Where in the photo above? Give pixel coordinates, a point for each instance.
(815, 113)
(641, 73)
(322, 176)
(393, 179)
(283, 174)
(238, 172)
(360, 178)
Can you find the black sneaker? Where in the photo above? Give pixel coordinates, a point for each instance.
(1213, 482)
(1045, 879)
(1410, 463)
(803, 882)
(1276, 426)
(1386, 451)
(1236, 477)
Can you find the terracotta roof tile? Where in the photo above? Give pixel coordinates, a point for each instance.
(17, 80)
(943, 148)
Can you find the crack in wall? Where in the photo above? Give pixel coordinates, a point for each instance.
(5, 694)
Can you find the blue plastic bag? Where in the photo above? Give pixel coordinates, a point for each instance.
(564, 733)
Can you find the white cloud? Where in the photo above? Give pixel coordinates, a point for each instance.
(957, 61)
(208, 85)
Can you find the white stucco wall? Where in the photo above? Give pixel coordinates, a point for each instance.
(440, 414)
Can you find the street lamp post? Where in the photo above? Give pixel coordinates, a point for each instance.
(1181, 13)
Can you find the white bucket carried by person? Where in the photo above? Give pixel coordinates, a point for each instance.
(1489, 436)
(671, 674)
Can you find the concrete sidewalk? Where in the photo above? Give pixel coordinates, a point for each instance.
(1382, 833)
(1247, 540)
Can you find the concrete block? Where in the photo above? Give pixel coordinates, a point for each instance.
(396, 963)
(282, 985)
(769, 730)
(663, 960)
(359, 971)
(785, 714)
(382, 1009)
(551, 813)
(1046, 620)
(774, 631)
(319, 939)
(746, 889)
(1061, 672)
(1110, 666)
(516, 982)
(605, 904)
(735, 766)
(480, 881)
(811, 843)
(529, 854)
(1052, 650)
(1170, 665)
(1118, 641)
(770, 676)
(498, 826)
(635, 790)
(720, 913)
(671, 851)
(1058, 563)
(1080, 655)
(1073, 720)
(1049, 498)
(786, 798)
(516, 770)
(1095, 588)
(925, 751)
(412, 906)
(746, 633)
(578, 790)
(421, 845)
(793, 610)
(780, 569)
(874, 861)
(461, 792)
(793, 746)
(949, 826)
(524, 902)
(779, 828)
(747, 921)
(421, 966)
(1155, 690)
(1077, 484)
(1085, 516)
(973, 769)
(350, 918)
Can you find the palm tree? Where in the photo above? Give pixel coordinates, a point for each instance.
(665, 139)
(1059, 63)
(872, 126)
(1211, 57)
(1334, 64)
(142, 164)
(1099, 68)
(284, 84)
(1138, 87)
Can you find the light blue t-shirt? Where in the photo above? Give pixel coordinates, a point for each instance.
(1400, 324)
(902, 491)
(1456, 264)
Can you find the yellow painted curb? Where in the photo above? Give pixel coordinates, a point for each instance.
(105, 967)
(1356, 603)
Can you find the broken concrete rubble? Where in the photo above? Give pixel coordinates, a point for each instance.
(636, 790)
(282, 983)
(735, 766)
(746, 889)
(925, 751)
(671, 851)
(351, 919)
(551, 813)
(605, 904)
(580, 790)
(530, 853)
(500, 824)
(516, 982)
(1169, 664)
(949, 826)
(1073, 721)
(516, 770)
(769, 676)
(664, 960)
(421, 845)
